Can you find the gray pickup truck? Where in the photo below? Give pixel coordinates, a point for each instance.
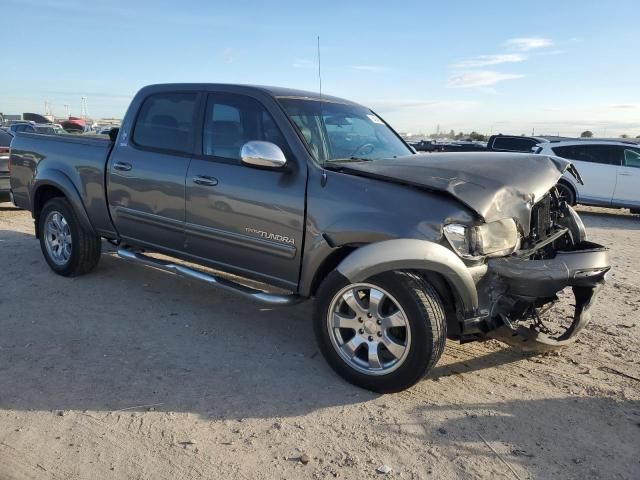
(315, 196)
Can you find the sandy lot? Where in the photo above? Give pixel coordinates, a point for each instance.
(133, 373)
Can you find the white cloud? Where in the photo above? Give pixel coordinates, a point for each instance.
(479, 78)
(368, 68)
(524, 44)
(485, 60)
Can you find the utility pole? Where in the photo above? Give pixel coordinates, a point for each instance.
(83, 107)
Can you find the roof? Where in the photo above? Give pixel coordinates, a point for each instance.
(269, 90)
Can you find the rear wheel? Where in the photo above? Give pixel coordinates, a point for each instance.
(68, 247)
(382, 334)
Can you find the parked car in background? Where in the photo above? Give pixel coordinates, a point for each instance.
(424, 146)
(22, 127)
(105, 130)
(5, 143)
(610, 171)
(518, 143)
(49, 129)
(460, 147)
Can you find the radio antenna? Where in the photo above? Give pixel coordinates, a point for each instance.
(319, 69)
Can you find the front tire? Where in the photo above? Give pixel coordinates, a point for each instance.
(68, 247)
(566, 193)
(383, 334)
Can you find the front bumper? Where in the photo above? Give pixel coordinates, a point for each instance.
(514, 286)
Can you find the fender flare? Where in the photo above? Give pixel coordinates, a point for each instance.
(58, 179)
(407, 254)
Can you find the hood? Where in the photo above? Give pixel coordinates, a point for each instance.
(494, 185)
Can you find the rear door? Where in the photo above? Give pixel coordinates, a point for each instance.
(240, 218)
(628, 183)
(147, 173)
(597, 165)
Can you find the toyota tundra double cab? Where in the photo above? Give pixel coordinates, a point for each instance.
(312, 196)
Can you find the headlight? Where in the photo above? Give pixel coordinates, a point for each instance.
(493, 239)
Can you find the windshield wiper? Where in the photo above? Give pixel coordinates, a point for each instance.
(350, 159)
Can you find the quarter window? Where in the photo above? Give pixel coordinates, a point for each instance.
(166, 121)
(632, 157)
(232, 120)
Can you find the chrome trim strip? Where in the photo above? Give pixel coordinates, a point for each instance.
(149, 218)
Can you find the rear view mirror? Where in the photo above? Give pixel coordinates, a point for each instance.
(262, 154)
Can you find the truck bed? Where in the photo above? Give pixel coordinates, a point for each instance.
(81, 158)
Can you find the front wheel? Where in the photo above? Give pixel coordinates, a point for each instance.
(68, 247)
(383, 334)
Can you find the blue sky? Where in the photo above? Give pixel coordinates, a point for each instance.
(509, 66)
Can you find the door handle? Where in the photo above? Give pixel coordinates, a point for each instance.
(124, 167)
(206, 181)
(624, 174)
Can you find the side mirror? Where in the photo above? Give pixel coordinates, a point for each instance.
(257, 153)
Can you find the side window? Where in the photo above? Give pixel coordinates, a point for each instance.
(513, 144)
(603, 154)
(231, 121)
(165, 121)
(632, 157)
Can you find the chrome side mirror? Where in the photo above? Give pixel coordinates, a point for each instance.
(262, 154)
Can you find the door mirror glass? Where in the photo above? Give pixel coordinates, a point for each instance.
(262, 154)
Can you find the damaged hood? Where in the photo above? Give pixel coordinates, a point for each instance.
(495, 185)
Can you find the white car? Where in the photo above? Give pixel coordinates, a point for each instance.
(610, 170)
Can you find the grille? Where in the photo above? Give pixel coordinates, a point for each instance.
(541, 219)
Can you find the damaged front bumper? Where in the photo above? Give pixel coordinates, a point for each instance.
(516, 290)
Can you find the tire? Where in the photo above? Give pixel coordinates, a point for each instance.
(84, 249)
(566, 192)
(422, 337)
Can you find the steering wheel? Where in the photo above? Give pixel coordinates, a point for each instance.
(364, 149)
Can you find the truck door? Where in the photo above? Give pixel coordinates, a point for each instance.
(240, 218)
(146, 173)
(628, 184)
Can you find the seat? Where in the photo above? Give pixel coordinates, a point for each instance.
(224, 139)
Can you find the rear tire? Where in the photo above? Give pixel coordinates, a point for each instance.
(406, 314)
(68, 247)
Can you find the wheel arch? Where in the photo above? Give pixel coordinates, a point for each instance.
(51, 184)
(448, 272)
(569, 184)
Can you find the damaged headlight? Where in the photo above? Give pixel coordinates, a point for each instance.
(493, 239)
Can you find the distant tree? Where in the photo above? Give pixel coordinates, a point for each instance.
(452, 133)
(624, 135)
(637, 136)
(477, 136)
(459, 135)
(586, 134)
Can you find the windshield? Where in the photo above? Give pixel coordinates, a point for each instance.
(338, 132)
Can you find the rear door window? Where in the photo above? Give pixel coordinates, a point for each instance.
(513, 144)
(602, 154)
(165, 122)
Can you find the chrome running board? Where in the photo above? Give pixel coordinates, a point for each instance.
(270, 298)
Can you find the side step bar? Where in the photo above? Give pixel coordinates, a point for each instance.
(270, 298)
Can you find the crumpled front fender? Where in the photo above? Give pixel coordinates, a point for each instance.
(407, 254)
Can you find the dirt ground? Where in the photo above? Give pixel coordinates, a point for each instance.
(132, 373)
